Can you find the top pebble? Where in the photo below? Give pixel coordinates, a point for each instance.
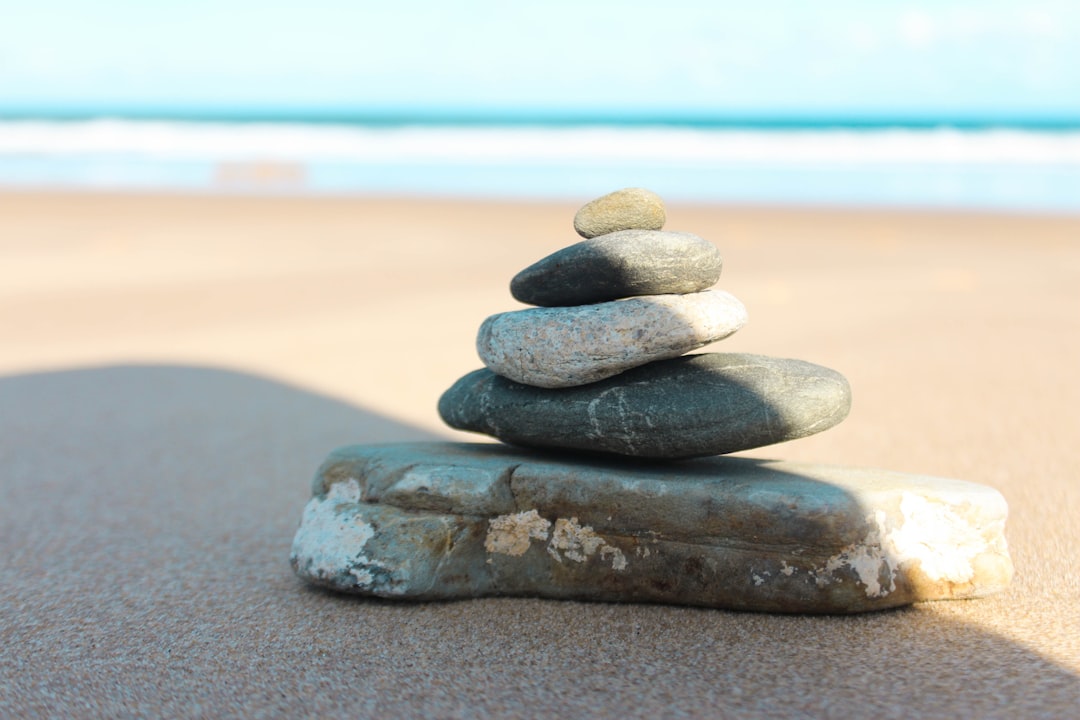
(627, 209)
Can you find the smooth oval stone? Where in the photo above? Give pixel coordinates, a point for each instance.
(695, 405)
(555, 347)
(627, 209)
(618, 265)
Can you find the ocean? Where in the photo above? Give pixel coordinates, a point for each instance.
(878, 164)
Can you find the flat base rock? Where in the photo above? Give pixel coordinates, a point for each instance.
(427, 521)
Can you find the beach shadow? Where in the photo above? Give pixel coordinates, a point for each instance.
(146, 514)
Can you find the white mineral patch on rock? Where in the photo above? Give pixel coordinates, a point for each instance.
(867, 559)
(579, 543)
(512, 534)
(329, 540)
(931, 535)
(943, 543)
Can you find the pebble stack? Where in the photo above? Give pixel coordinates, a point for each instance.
(601, 364)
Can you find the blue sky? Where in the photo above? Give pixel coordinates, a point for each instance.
(952, 58)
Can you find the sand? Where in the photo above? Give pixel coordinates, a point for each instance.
(175, 368)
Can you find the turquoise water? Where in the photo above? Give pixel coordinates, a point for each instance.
(1018, 165)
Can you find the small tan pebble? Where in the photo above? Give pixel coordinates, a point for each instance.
(627, 209)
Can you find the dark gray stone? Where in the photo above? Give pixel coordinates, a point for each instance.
(695, 405)
(617, 265)
(444, 520)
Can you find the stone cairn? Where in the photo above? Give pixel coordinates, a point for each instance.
(601, 366)
(596, 397)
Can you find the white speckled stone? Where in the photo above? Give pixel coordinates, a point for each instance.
(447, 520)
(567, 346)
(627, 209)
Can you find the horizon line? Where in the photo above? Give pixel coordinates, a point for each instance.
(395, 117)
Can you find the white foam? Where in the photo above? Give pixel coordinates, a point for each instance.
(989, 169)
(510, 145)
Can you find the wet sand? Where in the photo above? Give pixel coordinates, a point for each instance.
(174, 369)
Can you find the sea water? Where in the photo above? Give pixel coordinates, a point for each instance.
(1008, 169)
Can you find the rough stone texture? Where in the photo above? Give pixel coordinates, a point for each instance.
(556, 347)
(627, 209)
(690, 406)
(618, 265)
(444, 520)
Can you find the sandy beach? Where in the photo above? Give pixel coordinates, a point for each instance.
(174, 368)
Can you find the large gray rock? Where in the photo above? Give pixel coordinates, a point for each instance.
(440, 520)
(690, 406)
(618, 265)
(627, 209)
(553, 347)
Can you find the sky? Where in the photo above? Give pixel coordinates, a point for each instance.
(766, 58)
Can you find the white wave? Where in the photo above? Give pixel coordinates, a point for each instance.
(281, 142)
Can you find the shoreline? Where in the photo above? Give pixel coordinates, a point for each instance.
(62, 194)
(1019, 170)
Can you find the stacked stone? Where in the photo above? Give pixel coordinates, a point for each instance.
(600, 363)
